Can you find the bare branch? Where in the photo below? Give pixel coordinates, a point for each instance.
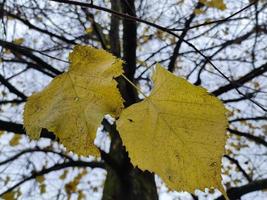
(237, 192)
(56, 167)
(249, 136)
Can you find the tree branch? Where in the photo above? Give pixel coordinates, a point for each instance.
(249, 136)
(249, 179)
(241, 81)
(248, 119)
(245, 97)
(56, 167)
(176, 50)
(28, 53)
(236, 192)
(19, 129)
(31, 26)
(26, 151)
(11, 88)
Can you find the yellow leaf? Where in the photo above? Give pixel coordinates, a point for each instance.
(89, 30)
(81, 196)
(160, 34)
(177, 132)
(12, 195)
(72, 186)
(10, 18)
(64, 175)
(219, 4)
(18, 41)
(15, 140)
(7, 51)
(198, 11)
(40, 180)
(74, 103)
(2, 133)
(42, 188)
(145, 38)
(9, 196)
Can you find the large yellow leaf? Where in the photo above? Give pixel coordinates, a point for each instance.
(74, 103)
(178, 132)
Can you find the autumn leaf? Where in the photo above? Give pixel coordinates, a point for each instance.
(2, 133)
(74, 103)
(9, 196)
(89, 30)
(64, 174)
(18, 41)
(198, 11)
(41, 182)
(72, 185)
(219, 4)
(15, 140)
(178, 132)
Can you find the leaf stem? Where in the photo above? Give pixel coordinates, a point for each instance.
(138, 89)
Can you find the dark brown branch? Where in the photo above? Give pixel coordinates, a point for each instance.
(249, 179)
(96, 28)
(12, 127)
(22, 61)
(31, 26)
(244, 79)
(249, 136)
(15, 101)
(56, 167)
(28, 53)
(248, 119)
(245, 97)
(11, 88)
(217, 22)
(26, 151)
(176, 50)
(223, 46)
(237, 192)
(19, 129)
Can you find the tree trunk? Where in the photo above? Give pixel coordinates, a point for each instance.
(124, 181)
(114, 36)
